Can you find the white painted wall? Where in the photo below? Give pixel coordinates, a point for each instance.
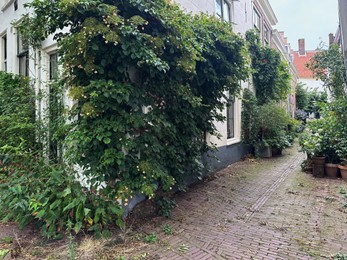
(312, 84)
(197, 6)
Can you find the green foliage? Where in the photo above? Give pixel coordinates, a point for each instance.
(338, 112)
(339, 256)
(17, 112)
(51, 196)
(249, 118)
(326, 136)
(302, 97)
(148, 82)
(3, 253)
(276, 127)
(271, 76)
(165, 207)
(151, 238)
(167, 230)
(328, 66)
(266, 125)
(317, 100)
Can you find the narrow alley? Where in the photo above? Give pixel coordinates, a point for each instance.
(255, 210)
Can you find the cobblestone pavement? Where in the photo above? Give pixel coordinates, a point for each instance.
(265, 209)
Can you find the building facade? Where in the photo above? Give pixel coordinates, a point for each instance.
(242, 14)
(301, 58)
(343, 28)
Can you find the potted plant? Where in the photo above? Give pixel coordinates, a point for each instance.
(273, 129)
(311, 142)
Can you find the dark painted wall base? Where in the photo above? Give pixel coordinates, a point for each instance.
(226, 155)
(213, 161)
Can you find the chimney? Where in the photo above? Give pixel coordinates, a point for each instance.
(331, 38)
(302, 50)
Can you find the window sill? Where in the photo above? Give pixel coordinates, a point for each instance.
(232, 141)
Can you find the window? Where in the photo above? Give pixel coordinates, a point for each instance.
(4, 52)
(53, 66)
(231, 119)
(23, 56)
(223, 10)
(267, 34)
(54, 107)
(256, 20)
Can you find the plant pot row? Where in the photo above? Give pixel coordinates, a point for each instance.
(320, 169)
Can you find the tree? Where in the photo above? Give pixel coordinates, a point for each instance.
(302, 96)
(328, 66)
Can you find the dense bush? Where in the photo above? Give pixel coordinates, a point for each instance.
(249, 118)
(326, 136)
(50, 195)
(17, 111)
(148, 82)
(266, 125)
(277, 128)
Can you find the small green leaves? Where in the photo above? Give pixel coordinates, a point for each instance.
(107, 140)
(151, 238)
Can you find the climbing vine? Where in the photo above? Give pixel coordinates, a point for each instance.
(147, 80)
(271, 76)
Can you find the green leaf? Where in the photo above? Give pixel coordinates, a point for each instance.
(78, 227)
(107, 140)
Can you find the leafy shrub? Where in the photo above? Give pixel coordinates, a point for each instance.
(17, 111)
(276, 127)
(165, 207)
(249, 118)
(148, 82)
(50, 195)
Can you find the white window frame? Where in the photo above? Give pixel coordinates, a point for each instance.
(4, 51)
(236, 138)
(22, 56)
(267, 34)
(256, 19)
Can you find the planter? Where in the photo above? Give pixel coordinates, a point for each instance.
(318, 166)
(331, 170)
(265, 152)
(343, 170)
(276, 151)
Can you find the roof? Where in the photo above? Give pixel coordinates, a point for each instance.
(300, 62)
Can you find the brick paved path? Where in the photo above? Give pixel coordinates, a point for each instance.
(266, 209)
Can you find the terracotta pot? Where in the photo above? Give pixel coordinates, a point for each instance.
(343, 170)
(331, 170)
(318, 166)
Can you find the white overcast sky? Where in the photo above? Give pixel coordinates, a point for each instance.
(309, 19)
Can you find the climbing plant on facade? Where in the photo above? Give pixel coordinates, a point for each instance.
(270, 74)
(147, 81)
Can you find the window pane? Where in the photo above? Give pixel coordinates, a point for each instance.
(256, 19)
(219, 8)
(23, 65)
(4, 52)
(231, 120)
(226, 11)
(53, 66)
